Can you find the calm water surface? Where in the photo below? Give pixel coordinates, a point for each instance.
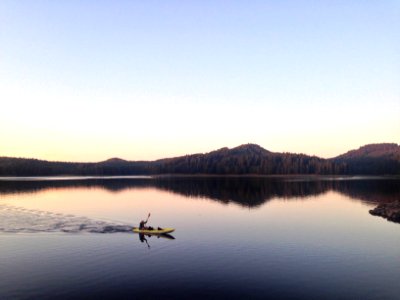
(266, 238)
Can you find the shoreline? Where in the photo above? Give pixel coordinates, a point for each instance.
(158, 176)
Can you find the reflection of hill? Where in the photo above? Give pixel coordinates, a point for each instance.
(245, 191)
(242, 190)
(114, 185)
(370, 190)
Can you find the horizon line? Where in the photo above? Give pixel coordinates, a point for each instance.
(196, 153)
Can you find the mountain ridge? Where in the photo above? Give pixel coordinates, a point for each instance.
(248, 158)
(373, 150)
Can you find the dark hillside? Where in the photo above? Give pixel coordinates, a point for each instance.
(376, 159)
(386, 150)
(373, 159)
(244, 159)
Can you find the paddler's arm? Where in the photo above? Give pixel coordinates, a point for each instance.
(147, 219)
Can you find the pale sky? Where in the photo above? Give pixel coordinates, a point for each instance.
(141, 80)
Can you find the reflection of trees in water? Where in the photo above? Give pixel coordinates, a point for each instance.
(369, 190)
(255, 191)
(246, 191)
(31, 186)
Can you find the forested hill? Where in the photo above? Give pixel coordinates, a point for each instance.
(374, 159)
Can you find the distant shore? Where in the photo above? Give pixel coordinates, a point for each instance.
(244, 160)
(291, 176)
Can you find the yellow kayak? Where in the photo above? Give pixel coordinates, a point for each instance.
(154, 231)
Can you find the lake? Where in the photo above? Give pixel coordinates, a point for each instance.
(294, 237)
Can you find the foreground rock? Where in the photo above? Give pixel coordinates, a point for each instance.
(390, 211)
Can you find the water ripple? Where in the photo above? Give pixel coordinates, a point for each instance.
(15, 219)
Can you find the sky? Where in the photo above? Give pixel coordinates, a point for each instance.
(142, 80)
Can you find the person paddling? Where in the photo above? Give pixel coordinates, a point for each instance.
(143, 223)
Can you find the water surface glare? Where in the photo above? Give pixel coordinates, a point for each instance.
(235, 238)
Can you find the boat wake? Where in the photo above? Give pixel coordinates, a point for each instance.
(15, 219)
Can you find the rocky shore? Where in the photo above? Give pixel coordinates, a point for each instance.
(389, 211)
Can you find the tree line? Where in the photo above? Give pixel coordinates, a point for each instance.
(247, 159)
